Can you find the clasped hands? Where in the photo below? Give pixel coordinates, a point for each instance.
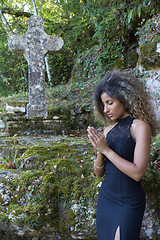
(97, 139)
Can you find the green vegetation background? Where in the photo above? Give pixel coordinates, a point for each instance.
(98, 36)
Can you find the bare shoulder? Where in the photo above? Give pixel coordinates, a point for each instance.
(108, 128)
(137, 124)
(140, 128)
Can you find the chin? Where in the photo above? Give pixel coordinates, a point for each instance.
(113, 119)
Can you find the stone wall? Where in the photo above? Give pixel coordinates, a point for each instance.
(149, 58)
(153, 84)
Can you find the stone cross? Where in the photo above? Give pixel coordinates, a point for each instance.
(35, 44)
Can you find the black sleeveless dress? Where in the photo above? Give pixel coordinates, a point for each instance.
(121, 200)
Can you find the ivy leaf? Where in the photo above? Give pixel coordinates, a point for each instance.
(139, 11)
(130, 14)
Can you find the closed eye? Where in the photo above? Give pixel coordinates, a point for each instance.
(110, 103)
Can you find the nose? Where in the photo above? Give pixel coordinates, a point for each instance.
(106, 109)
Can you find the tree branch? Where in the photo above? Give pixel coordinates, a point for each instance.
(34, 6)
(16, 13)
(5, 22)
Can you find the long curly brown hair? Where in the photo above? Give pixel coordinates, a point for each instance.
(133, 94)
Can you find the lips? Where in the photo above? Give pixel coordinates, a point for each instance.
(109, 115)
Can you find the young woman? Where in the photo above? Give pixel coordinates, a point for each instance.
(122, 154)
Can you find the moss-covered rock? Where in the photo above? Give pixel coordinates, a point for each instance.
(149, 57)
(50, 184)
(61, 120)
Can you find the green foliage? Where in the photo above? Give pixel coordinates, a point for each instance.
(109, 25)
(62, 64)
(13, 68)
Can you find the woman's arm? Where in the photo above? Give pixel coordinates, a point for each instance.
(99, 165)
(142, 134)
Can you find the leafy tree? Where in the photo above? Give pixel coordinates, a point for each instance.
(83, 25)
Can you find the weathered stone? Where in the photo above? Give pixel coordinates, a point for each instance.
(35, 44)
(15, 109)
(153, 84)
(158, 48)
(2, 124)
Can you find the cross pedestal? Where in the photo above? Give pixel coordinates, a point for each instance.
(35, 44)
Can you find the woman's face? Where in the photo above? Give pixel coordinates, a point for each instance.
(113, 108)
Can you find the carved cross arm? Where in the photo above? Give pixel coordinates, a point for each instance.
(55, 43)
(17, 43)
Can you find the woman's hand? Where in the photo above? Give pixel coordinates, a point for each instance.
(97, 139)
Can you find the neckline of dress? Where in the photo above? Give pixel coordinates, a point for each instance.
(122, 120)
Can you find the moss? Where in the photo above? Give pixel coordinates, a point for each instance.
(71, 218)
(27, 177)
(131, 58)
(53, 182)
(56, 124)
(149, 37)
(58, 110)
(44, 156)
(4, 217)
(148, 57)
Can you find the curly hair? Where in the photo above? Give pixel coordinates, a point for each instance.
(132, 93)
